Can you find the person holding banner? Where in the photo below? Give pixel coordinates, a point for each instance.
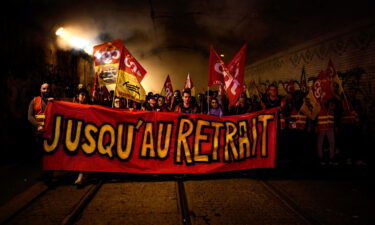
(186, 106)
(161, 105)
(176, 100)
(118, 103)
(150, 105)
(215, 108)
(36, 116)
(82, 98)
(242, 106)
(38, 106)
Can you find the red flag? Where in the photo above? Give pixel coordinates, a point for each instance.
(95, 90)
(237, 65)
(234, 78)
(107, 53)
(215, 69)
(322, 87)
(167, 90)
(106, 62)
(132, 66)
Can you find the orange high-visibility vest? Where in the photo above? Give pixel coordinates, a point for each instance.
(349, 117)
(325, 120)
(297, 120)
(38, 110)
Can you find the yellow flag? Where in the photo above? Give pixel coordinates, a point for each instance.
(337, 86)
(129, 87)
(311, 106)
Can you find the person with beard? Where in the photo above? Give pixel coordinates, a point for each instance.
(38, 106)
(36, 117)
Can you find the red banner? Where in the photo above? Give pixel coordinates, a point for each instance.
(96, 138)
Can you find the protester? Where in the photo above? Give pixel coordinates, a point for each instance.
(37, 107)
(118, 103)
(186, 105)
(215, 108)
(350, 135)
(161, 106)
(242, 106)
(223, 100)
(297, 132)
(325, 128)
(82, 98)
(36, 116)
(176, 100)
(150, 105)
(272, 99)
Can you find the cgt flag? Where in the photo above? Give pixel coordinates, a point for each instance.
(237, 68)
(133, 65)
(167, 90)
(127, 84)
(106, 62)
(215, 69)
(189, 85)
(322, 87)
(233, 75)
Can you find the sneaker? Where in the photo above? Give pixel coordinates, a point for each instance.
(80, 179)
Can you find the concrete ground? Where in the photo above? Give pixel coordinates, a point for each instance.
(342, 195)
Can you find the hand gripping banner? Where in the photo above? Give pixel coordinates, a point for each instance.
(96, 138)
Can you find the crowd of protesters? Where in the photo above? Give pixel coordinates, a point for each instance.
(333, 138)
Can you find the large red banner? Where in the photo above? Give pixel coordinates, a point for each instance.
(96, 138)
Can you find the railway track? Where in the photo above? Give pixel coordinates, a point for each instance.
(75, 202)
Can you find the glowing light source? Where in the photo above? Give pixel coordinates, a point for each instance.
(60, 31)
(222, 55)
(71, 39)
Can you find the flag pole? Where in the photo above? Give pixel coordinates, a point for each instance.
(208, 101)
